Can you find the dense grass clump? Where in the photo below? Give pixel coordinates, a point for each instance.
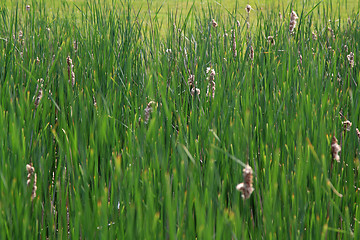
(120, 125)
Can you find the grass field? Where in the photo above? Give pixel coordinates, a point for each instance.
(120, 123)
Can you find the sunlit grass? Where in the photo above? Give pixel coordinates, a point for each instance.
(132, 150)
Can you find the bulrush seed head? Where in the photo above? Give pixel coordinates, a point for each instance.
(335, 149)
(195, 91)
(350, 58)
(191, 80)
(248, 8)
(214, 23)
(251, 54)
(71, 73)
(293, 18)
(211, 78)
(31, 174)
(347, 125)
(148, 111)
(358, 133)
(314, 35)
(233, 43)
(75, 45)
(271, 40)
(246, 187)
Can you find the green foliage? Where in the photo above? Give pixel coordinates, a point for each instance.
(108, 167)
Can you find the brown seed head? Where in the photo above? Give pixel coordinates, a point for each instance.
(335, 149)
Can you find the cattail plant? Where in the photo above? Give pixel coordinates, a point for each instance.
(246, 187)
(335, 149)
(350, 58)
(233, 39)
(293, 18)
(71, 73)
(31, 175)
(347, 125)
(211, 78)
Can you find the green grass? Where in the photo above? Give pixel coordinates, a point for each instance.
(104, 173)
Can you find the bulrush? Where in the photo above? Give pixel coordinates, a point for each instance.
(20, 35)
(194, 91)
(271, 40)
(347, 125)
(248, 8)
(331, 33)
(293, 18)
(335, 149)
(27, 7)
(71, 73)
(75, 45)
(246, 187)
(314, 36)
(31, 173)
(94, 102)
(214, 23)
(211, 78)
(350, 58)
(233, 42)
(38, 93)
(148, 111)
(358, 133)
(192, 84)
(251, 54)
